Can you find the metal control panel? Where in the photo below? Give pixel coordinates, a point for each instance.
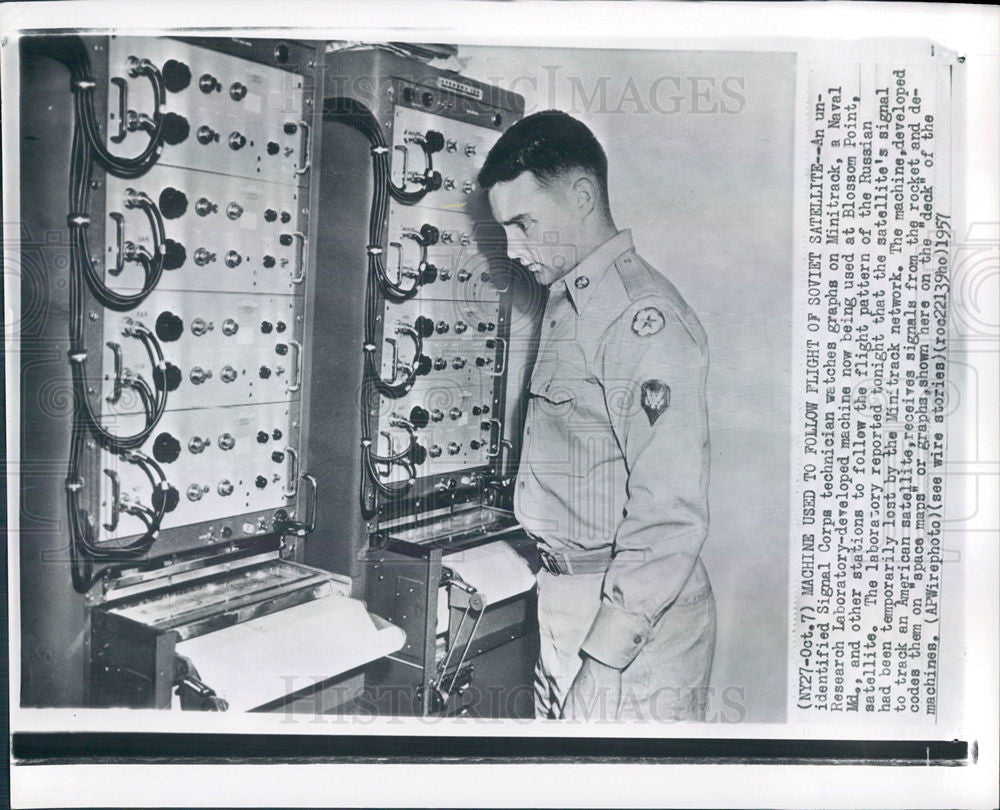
(226, 204)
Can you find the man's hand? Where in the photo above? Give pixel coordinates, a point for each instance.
(595, 693)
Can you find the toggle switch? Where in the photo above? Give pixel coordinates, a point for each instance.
(208, 83)
(198, 375)
(204, 207)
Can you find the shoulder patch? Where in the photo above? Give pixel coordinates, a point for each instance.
(655, 399)
(648, 321)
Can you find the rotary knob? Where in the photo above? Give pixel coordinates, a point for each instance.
(166, 448)
(419, 417)
(173, 203)
(237, 91)
(175, 128)
(237, 141)
(174, 255)
(176, 75)
(168, 326)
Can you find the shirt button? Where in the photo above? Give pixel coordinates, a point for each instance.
(637, 640)
(521, 484)
(527, 430)
(552, 324)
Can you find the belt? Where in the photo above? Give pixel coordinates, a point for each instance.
(579, 562)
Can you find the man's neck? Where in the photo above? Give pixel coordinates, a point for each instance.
(590, 241)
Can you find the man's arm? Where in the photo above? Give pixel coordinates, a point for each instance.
(653, 371)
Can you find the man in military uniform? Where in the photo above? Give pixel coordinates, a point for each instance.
(613, 478)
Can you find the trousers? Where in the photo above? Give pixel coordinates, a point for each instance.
(666, 682)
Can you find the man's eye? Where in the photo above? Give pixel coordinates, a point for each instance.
(523, 226)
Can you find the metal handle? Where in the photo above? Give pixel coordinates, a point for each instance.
(395, 359)
(122, 86)
(406, 154)
(501, 366)
(296, 368)
(292, 473)
(399, 260)
(301, 258)
(300, 528)
(116, 489)
(499, 424)
(116, 393)
(120, 241)
(306, 149)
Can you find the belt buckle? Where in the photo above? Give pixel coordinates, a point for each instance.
(549, 562)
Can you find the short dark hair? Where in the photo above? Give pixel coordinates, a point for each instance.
(546, 144)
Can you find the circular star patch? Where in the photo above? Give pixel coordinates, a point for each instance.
(647, 321)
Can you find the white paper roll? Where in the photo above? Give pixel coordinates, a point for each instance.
(495, 570)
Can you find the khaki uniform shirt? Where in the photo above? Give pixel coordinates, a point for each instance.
(615, 453)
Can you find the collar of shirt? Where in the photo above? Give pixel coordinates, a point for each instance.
(593, 268)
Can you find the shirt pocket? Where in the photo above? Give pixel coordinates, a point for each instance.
(554, 393)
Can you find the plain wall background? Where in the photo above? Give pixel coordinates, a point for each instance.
(700, 148)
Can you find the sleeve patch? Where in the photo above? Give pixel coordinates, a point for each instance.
(655, 399)
(648, 321)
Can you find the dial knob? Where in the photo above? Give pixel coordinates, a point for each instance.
(453, 448)
(176, 75)
(273, 147)
(175, 128)
(437, 415)
(198, 375)
(266, 327)
(168, 377)
(277, 457)
(225, 487)
(418, 453)
(270, 215)
(234, 210)
(228, 374)
(206, 135)
(174, 254)
(423, 364)
(264, 372)
(230, 327)
(419, 416)
(433, 141)
(226, 441)
(237, 140)
(166, 499)
(260, 482)
(440, 364)
(435, 451)
(429, 235)
(233, 259)
(428, 273)
(268, 261)
(262, 437)
(424, 326)
(237, 90)
(166, 448)
(173, 203)
(168, 326)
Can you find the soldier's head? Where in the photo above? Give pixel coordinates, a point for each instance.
(547, 181)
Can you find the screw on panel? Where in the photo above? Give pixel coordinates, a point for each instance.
(92, 315)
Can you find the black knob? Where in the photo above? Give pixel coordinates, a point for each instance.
(175, 128)
(433, 141)
(206, 135)
(440, 364)
(167, 499)
(285, 239)
(168, 326)
(276, 434)
(480, 361)
(418, 453)
(270, 215)
(166, 448)
(476, 410)
(268, 261)
(424, 326)
(427, 99)
(176, 75)
(484, 425)
(281, 348)
(260, 482)
(429, 235)
(432, 181)
(428, 273)
(264, 372)
(237, 90)
(168, 377)
(207, 83)
(262, 437)
(419, 417)
(291, 128)
(408, 95)
(173, 203)
(423, 364)
(266, 327)
(237, 140)
(277, 457)
(280, 326)
(273, 147)
(481, 326)
(491, 344)
(497, 119)
(475, 445)
(174, 254)
(286, 217)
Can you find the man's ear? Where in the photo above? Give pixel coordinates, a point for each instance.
(585, 195)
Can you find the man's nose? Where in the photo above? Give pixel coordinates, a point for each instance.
(517, 249)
